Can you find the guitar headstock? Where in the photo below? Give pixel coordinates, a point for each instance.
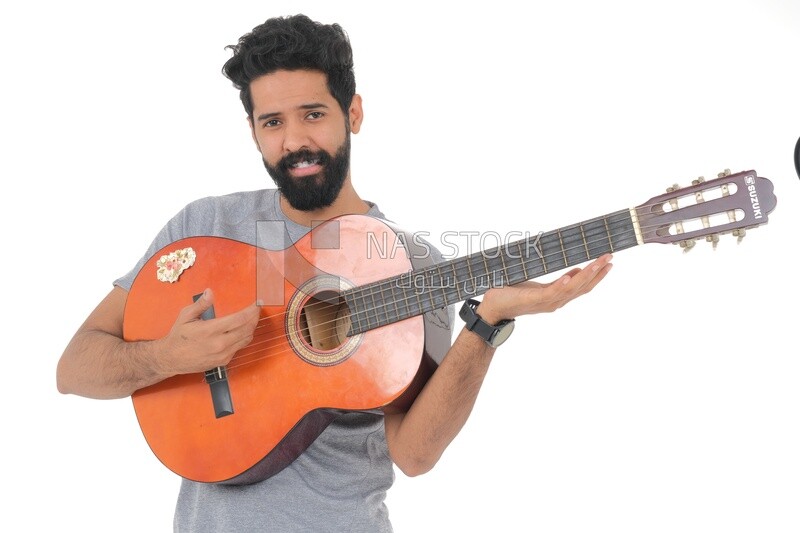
(730, 203)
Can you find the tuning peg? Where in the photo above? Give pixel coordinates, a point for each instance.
(687, 245)
(713, 239)
(698, 181)
(674, 188)
(726, 172)
(739, 234)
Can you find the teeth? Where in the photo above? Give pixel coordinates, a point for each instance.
(306, 163)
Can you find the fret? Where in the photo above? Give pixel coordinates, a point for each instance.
(466, 277)
(523, 256)
(419, 302)
(503, 261)
(355, 317)
(432, 300)
(543, 255)
(449, 285)
(536, 260)
(473, 281)
(456, 281)
(573, 245)
(515, 266)
(597, 237)
(563, 251)
(396, 300)
(397, 312)
(402, 283)
(381, 306)
(469, 269)
(494, 267)
(474, 268)
(486, 268)
(388, 303)
(552, 252)
(410, 302)
(411, 295)
(608, 234)
(364, 311)
(442, 285)
(374, 307)
(585, 244)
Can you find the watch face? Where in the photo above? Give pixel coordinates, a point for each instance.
(503, 333)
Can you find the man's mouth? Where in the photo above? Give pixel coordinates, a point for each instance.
(305, 167)
(305, 163)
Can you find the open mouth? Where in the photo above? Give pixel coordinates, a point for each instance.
(305, 167)
(305, 163)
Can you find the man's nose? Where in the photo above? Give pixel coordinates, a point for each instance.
(295, 138)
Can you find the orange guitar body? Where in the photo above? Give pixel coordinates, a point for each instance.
(284, 390)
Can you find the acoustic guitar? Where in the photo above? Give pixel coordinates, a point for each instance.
(353, 318)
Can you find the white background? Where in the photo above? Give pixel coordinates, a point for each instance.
(666, 400)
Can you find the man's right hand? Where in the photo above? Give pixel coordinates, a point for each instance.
(99, 363)
(197, 345)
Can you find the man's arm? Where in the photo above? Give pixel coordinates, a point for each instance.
(418, 438)
(98, 363)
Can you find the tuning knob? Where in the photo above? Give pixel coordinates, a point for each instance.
(687, 245)
(713, 239)
(739, 234)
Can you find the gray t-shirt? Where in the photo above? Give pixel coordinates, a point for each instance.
(339, 483)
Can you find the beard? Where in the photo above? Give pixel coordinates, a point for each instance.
(308, 193)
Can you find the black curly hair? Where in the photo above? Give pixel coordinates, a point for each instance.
(293, 43)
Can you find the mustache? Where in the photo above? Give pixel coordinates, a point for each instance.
(289, 160)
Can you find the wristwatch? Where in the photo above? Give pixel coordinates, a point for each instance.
(495, 335)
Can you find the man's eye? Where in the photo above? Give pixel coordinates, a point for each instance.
(271, 123)
(315, 115)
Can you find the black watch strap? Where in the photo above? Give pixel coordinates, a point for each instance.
(493, 335)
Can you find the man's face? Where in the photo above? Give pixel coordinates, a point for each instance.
(302, 135)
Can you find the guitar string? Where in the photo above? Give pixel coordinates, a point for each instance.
(460, 263)
(383, 305)
(643, 229)
(261, 344)
(281, 337)
(508, 272)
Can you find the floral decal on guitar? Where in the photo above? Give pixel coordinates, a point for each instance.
(171, 266)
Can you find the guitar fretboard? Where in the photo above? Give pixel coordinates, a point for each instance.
(437, 286)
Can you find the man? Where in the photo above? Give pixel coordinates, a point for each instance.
(296, 83)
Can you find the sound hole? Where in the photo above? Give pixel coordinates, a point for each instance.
(324, 321)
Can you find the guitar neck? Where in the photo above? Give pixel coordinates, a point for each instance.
(440, 285)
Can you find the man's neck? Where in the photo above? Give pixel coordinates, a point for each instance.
(348, 202)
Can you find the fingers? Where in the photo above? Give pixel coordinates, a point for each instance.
(581, 281)
(530, 297)
(230, 333)
(571, 285)
(195, 310)
(246, 318)
(240, 321)
(195, 345)
(589, 274)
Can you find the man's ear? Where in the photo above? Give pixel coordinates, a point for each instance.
(355, 114)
